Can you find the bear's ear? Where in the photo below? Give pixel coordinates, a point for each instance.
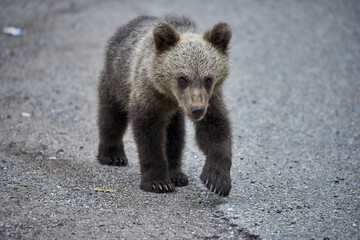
(165, 36)
(219, 36)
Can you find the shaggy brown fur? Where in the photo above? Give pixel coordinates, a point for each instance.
(156, 71)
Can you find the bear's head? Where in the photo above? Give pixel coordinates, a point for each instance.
(191, 67)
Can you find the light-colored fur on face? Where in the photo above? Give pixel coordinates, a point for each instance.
(196, 59)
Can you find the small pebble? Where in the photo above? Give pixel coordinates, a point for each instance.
(60, 151)
(12, 31)
(25, 114)
(40, 153)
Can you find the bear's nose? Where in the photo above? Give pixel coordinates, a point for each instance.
(197, 112)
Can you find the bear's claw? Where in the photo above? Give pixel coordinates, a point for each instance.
(217, 183)
(158, 186)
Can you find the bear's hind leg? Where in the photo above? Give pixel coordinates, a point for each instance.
(174, 147)
(113, 121)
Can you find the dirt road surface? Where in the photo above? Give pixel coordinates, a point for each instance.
(294, 98)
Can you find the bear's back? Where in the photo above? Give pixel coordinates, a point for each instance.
(123, 44)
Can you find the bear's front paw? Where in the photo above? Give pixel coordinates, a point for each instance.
(218, 183)
(112, 156)
(179, 178)
(158, 186)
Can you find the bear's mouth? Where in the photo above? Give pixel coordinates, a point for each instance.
(196, 118)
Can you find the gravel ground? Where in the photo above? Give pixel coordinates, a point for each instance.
(294, 98)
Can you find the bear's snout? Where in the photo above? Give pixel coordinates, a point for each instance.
(197, 112)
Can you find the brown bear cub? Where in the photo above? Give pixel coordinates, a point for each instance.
(156, 71)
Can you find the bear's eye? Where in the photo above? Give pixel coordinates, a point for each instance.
(182, 82)
(208, 82)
